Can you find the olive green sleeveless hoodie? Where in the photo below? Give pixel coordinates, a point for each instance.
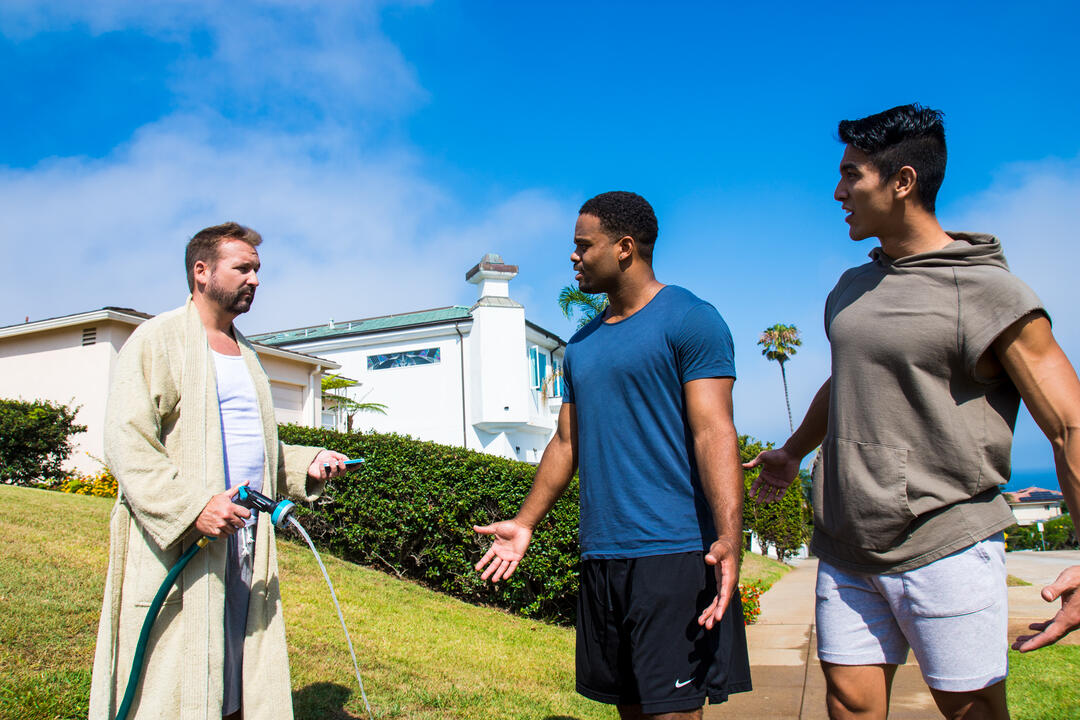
(917, 443)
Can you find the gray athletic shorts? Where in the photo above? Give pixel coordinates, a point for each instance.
(953, 613)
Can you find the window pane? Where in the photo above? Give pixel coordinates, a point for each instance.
(427, 356)
(534, 374)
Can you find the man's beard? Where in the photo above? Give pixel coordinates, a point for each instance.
(237, 302)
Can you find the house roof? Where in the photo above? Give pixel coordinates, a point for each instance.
(1034, 495)
(363, 326)
(126, 315)
(382, 323)
(135, 317)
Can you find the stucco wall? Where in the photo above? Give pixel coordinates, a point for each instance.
(423, 401)
(503, 415)
(54, 365)
(1030, 514)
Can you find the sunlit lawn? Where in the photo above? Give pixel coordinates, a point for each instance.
(422, 655)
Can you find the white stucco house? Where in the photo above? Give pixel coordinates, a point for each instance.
(1035, 505)
(481, 377)
(69, 360)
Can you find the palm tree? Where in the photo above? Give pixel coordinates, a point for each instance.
(779, 342)
(588, 304)
(335, 393)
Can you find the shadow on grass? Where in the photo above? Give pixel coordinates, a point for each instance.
(322, 700)
(560, 717)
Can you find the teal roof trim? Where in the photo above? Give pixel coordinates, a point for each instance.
(365, 326)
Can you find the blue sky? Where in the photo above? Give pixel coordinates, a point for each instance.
(382, 148)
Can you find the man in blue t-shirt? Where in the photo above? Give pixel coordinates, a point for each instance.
(647, 416)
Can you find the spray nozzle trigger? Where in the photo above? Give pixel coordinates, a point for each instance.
(279, 510)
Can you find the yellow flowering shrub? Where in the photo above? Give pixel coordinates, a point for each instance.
(101, 484)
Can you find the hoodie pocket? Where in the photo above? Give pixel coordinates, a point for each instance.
(863, 497)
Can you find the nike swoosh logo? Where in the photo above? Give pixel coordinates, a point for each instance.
(683, 684)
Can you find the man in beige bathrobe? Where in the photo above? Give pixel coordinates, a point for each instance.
(170, 443)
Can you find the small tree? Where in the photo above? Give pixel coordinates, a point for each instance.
(783, 524)
(589, 305)
(35, 440)
(749, 447)
(1058, 533)
(335, 392)
(779, 343)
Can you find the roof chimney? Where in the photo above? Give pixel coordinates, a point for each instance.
(493, 276)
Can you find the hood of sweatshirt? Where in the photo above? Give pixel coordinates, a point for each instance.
(966, 250)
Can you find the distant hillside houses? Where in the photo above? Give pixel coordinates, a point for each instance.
(481, 377)
(1034, 505)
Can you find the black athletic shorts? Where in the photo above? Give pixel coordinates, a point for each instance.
(638, 640)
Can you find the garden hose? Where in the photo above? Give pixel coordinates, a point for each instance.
(280, 512)
(148, 624)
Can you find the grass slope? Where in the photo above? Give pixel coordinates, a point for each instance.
(761, 568)
(422, 654)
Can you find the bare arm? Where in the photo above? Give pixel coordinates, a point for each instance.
(557, 466)
(716, 449)
(779, 467)
(1048, 384)
(512, 537)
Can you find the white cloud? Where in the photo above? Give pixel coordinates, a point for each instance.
(352, 226)
(346, 237)
(1034, 209)
(286, 62)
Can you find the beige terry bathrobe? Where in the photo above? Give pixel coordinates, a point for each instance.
(163, 442)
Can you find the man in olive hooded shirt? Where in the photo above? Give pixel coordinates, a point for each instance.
(934, 344)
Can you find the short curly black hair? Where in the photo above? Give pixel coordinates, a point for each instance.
(624, 213)
(910, 135)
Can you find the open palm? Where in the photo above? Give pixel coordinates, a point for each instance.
(511, 539)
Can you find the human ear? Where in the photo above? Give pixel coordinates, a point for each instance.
(904, 181)
(201, 272)
(626, 247)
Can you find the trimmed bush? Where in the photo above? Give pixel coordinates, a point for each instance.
(35, 440)
(410, 509)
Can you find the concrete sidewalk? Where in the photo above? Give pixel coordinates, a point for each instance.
(1025, 603)
(788, 682)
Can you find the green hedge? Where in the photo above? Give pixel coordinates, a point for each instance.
(35, 440)
(1058, 534)
(411, 508)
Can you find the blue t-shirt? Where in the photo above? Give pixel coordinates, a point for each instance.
(640, 492)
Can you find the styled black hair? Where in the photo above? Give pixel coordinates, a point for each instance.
(905, 135)
(625, 213)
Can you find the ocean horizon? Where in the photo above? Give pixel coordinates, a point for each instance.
(1033, 478)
